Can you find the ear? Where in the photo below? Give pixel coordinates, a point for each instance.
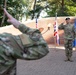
(41, 29)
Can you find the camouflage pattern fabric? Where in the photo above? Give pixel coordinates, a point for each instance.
(68, 47)
(68, 37)
(68, 31)
(12, 48)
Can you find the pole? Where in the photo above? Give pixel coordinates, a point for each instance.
(75, 30)
(55, 30)
(36, 23)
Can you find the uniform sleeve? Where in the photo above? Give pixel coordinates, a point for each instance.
(23, 28)
(61, 27)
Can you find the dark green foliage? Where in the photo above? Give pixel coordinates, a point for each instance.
(62, 7)
(19, 8)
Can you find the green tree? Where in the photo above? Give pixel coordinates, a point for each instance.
(15, 7)
(62, 7)
(32, 8)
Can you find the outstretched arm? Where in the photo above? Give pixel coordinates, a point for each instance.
(11, 19)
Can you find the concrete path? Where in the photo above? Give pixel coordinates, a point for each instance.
(52, 64)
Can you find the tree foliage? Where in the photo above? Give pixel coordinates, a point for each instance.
(32, 8)
(62, 7)
(15, 7)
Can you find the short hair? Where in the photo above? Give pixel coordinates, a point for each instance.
(67, 18)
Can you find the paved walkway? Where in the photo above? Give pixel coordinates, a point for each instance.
(52, 64)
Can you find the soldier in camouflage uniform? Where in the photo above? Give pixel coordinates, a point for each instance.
(29, 45)
(68, 37)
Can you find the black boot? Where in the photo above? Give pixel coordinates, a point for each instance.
(70, 59)
(67, 59)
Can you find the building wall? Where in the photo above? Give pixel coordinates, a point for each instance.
(42, 23)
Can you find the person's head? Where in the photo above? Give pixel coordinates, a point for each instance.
(67, 20)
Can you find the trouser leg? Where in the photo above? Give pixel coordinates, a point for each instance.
(70, 50)
(66, 48)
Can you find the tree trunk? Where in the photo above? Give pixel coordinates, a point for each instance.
(3, 14)
(34, 8)
(62, 8)
(62, 4)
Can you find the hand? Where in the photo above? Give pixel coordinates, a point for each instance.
(11, 19)
(64, 23)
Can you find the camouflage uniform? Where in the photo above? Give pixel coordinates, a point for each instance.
(12, 48)
(68, 38)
